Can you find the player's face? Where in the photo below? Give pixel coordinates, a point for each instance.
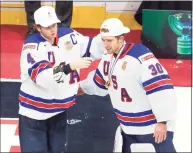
(49, 32)
(112, 44)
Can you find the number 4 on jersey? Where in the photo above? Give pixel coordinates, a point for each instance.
(30, 59)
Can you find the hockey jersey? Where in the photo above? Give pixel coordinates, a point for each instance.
(40, 96)
(141, 91)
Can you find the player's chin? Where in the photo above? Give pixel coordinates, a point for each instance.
(109, 52)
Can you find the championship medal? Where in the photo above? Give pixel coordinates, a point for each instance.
(107, 84)
(112, 66)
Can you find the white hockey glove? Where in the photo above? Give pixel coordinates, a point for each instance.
(59, 77)
(59, 72)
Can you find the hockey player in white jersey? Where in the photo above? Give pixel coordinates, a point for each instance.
(140, 89)
(50, 63)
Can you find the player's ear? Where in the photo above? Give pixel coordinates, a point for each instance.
(37, 27)
(121, 38)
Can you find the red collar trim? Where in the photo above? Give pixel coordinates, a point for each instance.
(126, 49)
(56, 41)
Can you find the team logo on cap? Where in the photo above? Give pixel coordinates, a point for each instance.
(49, 15)
(124, 65)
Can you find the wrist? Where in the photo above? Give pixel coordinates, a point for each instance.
(67, 69)
(71, 66)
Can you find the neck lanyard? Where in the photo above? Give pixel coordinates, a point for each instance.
(112, 66)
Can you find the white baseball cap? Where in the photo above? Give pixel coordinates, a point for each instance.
(46, 16)
(114, 27)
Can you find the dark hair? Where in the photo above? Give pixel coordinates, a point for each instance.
(36, 25)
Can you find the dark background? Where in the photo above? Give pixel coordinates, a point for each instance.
(158, 36)
(95, 132)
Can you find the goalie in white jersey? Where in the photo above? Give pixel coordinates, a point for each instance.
(50, 64)
(140, 89)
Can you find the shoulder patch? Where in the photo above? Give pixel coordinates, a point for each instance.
(29, 46)
(146, 57)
